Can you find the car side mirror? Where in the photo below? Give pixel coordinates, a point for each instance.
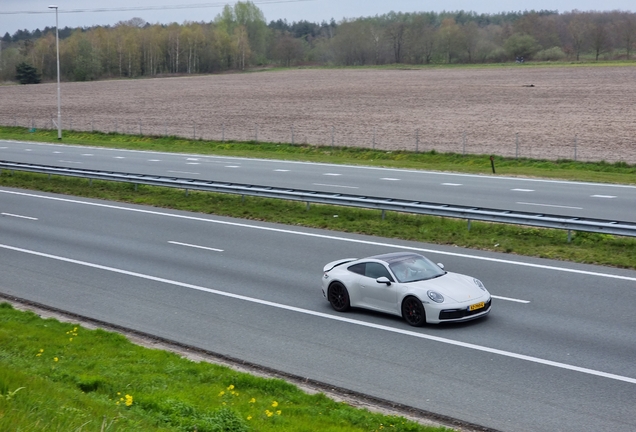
(383, 280)
(440, 265)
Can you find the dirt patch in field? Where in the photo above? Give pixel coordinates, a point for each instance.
(587, 113)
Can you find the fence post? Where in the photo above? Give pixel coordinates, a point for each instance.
(333, 129)
(575, 145)
(256, 133)
(417, 140)
(464, 146)
(374, 137)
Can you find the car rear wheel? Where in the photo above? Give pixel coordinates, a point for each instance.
(339, 297)
(413, 311)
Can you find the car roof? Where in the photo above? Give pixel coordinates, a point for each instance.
(394, 256)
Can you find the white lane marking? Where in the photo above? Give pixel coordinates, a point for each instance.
(281, 170)
(192, 159)
(336, 186)
(332, 317)
(71, 162)
(603, 196)
(232, 166)
(87, 154)
(193, 163)
(340, 166)
(322, 236)
(452, 184)
(57, 152)
(19, 216)
(118, 157)
(184, 172)
(522, 190)
(28, 150)
(510, 299)
(549, 205)
(332, 174)
(196, 246)
(154, 160)
(390, 179)
(3, 148)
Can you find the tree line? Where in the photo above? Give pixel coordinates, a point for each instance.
(239, 38)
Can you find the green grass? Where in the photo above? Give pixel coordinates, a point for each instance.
(58, 376)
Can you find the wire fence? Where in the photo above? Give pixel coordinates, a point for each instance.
(389, 138)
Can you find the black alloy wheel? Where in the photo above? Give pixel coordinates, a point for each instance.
(339, 297)
(413, 311)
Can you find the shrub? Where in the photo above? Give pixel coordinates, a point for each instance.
(27, 74)
(550, 54)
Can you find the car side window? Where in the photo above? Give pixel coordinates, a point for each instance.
(357, 268)
(376, 270)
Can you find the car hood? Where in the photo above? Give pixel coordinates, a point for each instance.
(453, 286)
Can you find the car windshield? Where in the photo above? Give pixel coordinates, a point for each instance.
(415, 268)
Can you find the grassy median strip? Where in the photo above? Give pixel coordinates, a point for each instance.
(57, 376)
(588, 248)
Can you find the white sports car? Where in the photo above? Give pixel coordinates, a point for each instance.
(405, 284)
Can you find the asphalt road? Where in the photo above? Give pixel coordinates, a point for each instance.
(586, 200)
(557, 352)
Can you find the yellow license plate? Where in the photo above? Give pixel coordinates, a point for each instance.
(476, 306)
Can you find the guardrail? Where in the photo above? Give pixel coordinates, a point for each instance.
(384, 204)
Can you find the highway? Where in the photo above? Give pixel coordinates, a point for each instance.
(576, 199)
(556, 353)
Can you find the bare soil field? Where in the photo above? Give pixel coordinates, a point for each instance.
(584, 113)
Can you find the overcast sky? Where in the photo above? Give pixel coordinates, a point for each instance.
(35, 14)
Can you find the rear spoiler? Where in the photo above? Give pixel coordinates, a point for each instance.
(335, 264)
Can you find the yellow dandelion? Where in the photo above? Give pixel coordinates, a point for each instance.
(129, 400)
(70, 339)
(230, 387)
(54, 358)
(221, 393)
(253, 400)
(274, 404)
(249, 417)
(268, 413)
(279, 412)
(118, 393)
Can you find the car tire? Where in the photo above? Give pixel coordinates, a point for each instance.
(413, 311)
(338, 296)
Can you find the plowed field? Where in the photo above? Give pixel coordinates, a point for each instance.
(587, 113)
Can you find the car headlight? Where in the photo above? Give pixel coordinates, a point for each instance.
(479, 284)
(435, 296)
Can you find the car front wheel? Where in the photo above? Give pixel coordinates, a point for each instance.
(413, 311)
(339, 297)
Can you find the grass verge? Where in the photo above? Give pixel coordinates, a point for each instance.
(57, 376)
(587, 248)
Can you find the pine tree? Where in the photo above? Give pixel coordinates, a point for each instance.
(27, 74)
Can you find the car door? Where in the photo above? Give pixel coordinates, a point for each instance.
(378, 296)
